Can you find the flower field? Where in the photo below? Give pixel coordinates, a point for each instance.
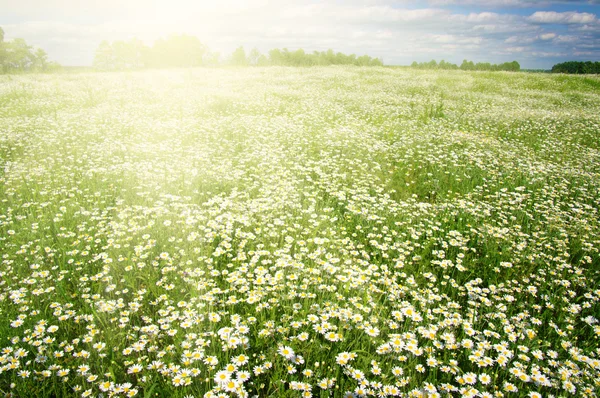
(298, 232)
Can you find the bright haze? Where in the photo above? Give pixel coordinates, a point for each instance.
(536, 33)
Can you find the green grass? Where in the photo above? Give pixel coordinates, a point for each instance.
(161, 228)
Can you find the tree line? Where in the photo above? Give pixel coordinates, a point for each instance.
(302, 58)
(182, 50)
(468, 65)
(577, 67)
(18, 56)
(188, 51)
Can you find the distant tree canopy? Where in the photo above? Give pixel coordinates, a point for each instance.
(238, 58)
(17, 56)
(577, 67)
(176, 50)
(469, 65)
(188, 51)
(316, 58)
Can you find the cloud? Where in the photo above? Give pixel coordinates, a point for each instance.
(565, 39)
(519, 49)
(521, 40)
(569, 17)
(453, 39)
(546, 54)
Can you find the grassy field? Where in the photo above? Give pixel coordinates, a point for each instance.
(286, 232)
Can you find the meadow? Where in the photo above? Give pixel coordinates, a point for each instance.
(298, 232)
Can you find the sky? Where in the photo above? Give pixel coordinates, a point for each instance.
(536, 33)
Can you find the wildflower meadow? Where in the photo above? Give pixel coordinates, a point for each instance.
(299, 232)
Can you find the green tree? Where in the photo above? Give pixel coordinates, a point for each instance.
(211, 58)
(467, 65)
(263, 60)
(2, 50)
(18, 55)
(363, 60)
(103, 56)
(299, 58)
(177, 51)
(275, 57)
(577, 67)
(134, 54)
(377, 61)
(253, 57)
(238, 58)
(40, 60)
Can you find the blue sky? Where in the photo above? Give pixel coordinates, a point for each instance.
(537, 33)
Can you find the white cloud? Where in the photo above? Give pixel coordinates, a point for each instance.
(521, 40)
(453, 39)
(548, 54)
(569, 17)
(519, 49)
(483, 17)
(565, 39)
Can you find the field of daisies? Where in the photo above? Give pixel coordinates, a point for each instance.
(289, 232)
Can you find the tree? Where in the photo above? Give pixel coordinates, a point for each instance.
(176, 51)
(2, 51)
(364, 60)
(275, 57)
(238, 58)
(329, 57)
(262, 61)
(188, 51)
(18, 55)
(211, 58)
(103, 57)
(299, 58)
(467, 65)
(577, 67)
(377, 61)
(40, 60)
(134, 54)
(253, 57)
(483, 66)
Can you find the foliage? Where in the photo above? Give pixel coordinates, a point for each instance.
(468, 65)
(577, 67)
(238, 58)
(316, 58)
(175, 51)
(17, 56)
(186, 51)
